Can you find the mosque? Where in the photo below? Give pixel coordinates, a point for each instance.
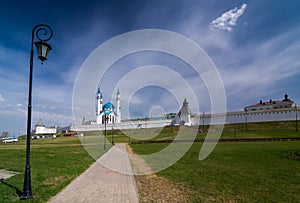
(108, 110)
(113, 115)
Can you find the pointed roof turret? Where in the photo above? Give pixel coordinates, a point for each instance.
(118, 94)
(40, 123)
(99, 92)
(83, 120)
(185, 109)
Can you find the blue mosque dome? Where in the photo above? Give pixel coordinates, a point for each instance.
(108, 107)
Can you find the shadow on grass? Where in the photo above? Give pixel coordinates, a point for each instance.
(19, 192)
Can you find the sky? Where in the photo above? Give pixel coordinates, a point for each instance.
(254, 45)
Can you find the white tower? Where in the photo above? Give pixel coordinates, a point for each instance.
(99, 107)
(185, 114)
(118, 110)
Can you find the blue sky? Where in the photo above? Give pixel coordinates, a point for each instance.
(255, 46)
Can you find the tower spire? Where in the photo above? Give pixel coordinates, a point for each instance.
(118, 110)
(99, 106)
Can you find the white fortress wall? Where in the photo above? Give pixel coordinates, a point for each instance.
(250, 116)
(203, 119)
(124, 125)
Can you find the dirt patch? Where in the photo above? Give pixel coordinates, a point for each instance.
(153, 188)
(55, 180)
(158, 189)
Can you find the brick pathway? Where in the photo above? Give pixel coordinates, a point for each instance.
(113, 183)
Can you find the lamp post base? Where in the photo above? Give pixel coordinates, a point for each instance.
(26, 195)
(27, 192)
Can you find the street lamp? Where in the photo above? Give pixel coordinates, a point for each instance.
(112, 136)
(106, 113)
(246, 120)
(296, 117)
(44, 33)
(203, 121)
(105, 120)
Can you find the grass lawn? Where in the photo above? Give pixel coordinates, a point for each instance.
(278, 129)
(237, 172)
(247, 172)
(53, 166)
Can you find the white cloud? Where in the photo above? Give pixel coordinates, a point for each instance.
(228, 19)
(1, 98)
(251, 70)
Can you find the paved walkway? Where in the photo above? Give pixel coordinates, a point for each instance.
(113, 183)
(4, 174)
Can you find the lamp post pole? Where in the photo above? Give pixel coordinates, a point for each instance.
(203, 121)
(107, 111)
(112, 136)
(246, 120)
(105, 120)
(296, 117)
(43, 49)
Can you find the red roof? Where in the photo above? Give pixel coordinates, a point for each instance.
(270, 103)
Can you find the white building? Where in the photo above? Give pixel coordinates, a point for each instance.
(108, 110)
(40, 129)
(285, 103)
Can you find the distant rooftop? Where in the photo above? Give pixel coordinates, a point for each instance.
(40, 123)
(285, 103)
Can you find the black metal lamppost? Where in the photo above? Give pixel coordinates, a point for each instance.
(296, 117)
(105, 120)
(246, 120)
(106, 113)
(203, 121)
(112, 136)
(44, 33)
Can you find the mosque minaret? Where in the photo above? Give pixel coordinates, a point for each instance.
(99, 107)
(118, 110)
